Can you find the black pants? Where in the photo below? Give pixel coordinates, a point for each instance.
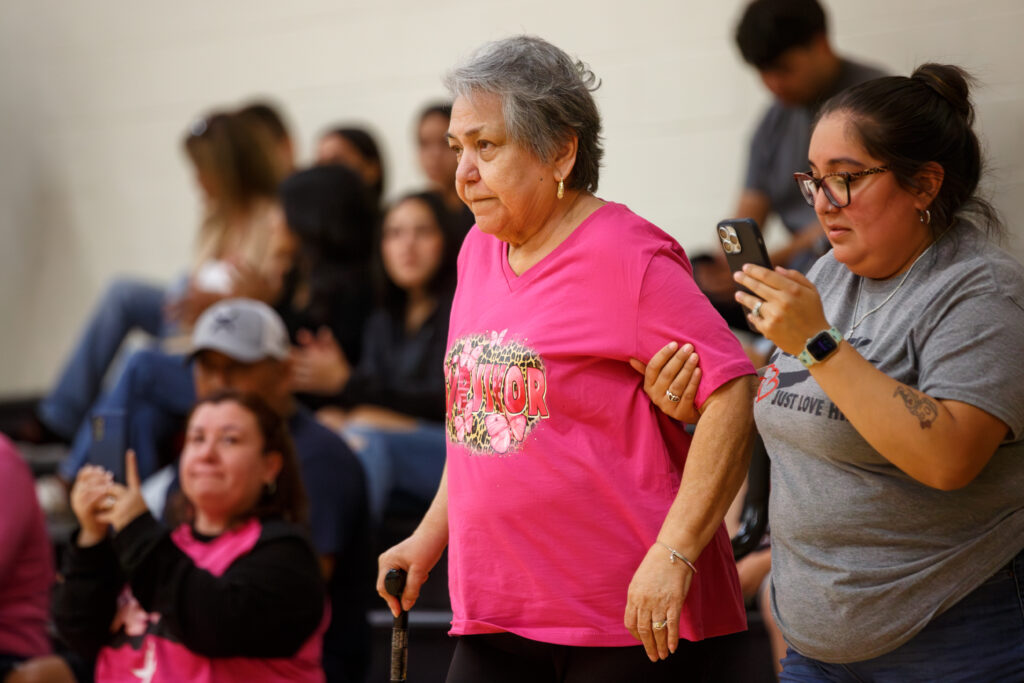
(504, 657)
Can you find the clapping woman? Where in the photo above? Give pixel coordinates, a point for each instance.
(232, 594)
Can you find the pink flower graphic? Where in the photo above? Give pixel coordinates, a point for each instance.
(463, 425)
(470, 355)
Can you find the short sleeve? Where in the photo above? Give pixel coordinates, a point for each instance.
(970, 355)
(672, 308)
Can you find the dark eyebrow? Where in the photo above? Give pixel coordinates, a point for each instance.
(837, 162)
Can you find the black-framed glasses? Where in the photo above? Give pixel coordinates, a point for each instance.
(836, 185)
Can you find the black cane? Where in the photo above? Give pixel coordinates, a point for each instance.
(394, 584)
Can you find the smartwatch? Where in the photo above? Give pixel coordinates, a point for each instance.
(820, 346)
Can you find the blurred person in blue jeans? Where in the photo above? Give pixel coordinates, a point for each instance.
(237, 169)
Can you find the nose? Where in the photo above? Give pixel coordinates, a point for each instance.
(821, 202)
(466, 171)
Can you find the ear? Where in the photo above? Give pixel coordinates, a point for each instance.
(929, 182)
(565, 158)
(273, 462)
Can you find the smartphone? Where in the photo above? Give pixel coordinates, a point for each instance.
(742, 243)
(109, 441)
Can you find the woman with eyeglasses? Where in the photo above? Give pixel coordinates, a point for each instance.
(893, 409)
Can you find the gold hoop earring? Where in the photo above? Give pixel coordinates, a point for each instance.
(561, 189)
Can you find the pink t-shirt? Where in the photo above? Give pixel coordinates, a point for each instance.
(560, 470)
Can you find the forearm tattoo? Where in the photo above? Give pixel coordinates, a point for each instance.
(919, 405)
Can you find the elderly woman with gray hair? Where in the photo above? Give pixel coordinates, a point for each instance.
(579, 519)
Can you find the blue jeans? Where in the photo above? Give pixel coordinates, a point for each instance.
(126, 305)
(406, 461)
(979, 639)
(155, 391)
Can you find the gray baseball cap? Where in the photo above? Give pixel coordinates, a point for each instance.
(244, 329)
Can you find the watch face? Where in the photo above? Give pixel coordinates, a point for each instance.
(821, 346)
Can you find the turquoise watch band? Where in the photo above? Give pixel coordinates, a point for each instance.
(820, 346)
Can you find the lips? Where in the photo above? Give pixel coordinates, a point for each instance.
(835, 230)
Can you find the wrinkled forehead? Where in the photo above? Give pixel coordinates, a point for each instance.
(476, 112)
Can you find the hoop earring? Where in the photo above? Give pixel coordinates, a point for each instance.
(561, 189)
(924, 216)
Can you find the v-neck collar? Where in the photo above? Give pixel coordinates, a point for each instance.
(516, 282)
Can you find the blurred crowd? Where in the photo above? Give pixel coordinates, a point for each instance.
(307, 294)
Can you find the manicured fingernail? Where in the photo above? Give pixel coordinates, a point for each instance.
(673, 345)
(688, 347)
(694, 358)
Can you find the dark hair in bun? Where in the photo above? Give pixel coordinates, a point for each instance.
(928, 117)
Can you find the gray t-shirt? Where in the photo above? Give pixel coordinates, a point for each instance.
(778, 149)
(863, 556)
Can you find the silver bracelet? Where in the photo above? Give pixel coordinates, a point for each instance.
(675, 554)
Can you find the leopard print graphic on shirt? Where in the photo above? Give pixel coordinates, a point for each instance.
(495, 393)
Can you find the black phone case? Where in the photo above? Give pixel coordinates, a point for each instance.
(741, 240)
(109, 440)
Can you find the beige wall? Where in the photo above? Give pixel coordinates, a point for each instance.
(94, 97)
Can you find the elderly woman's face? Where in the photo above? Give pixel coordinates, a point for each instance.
(879, 233)
(223, 467)
(510, 191)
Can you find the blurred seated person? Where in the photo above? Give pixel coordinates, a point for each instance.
(26, 577)
(243, 345)
(787, 42)
(438, 162)
(232, 593)
(237, 176)
(265, 116)
(354, 148)
(331, 224)
(323, 265)
(390, 406)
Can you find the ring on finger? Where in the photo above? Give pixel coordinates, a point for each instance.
(658, 625)
(672, 397)
(756, 310)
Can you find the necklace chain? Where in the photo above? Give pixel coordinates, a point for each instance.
(860, 289)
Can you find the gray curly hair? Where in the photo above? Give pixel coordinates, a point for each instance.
(545, 98)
